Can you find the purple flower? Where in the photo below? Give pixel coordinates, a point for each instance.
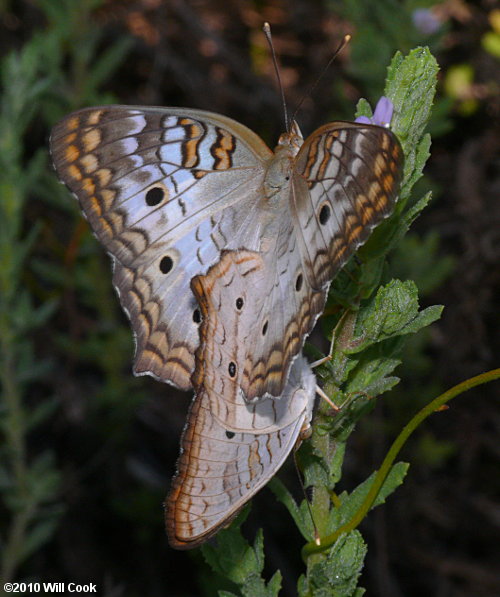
(382, 115)
(425, 21)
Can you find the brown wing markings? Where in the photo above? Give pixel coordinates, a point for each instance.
(95, 196)
(155, 351)
(195, 133)
(202, 287)
(369, 205)
(327, 145)
(268, 374)
(222, 149)
(192, 516)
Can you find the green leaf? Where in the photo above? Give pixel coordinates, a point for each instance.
(233, 557)
(392, 312)
(370, 376)
(411, 86)
(393, 480)
(363, 108)
(255, 586)
(285, 497)
(350, 503)
(412, 214)
(337, 574)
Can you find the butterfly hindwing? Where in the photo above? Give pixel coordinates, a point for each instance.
(218, 470)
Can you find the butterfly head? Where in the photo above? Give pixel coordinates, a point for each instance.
(279, 168)
(292, 140)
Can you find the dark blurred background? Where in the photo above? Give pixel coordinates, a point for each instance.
(87, 450)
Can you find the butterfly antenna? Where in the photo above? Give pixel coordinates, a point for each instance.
(267, 32)
(346, 39)
(317, 539)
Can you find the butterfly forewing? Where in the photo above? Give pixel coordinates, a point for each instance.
(346, 181)
(161, 189)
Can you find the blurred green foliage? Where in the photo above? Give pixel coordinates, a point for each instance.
(35, 88)
(29, 486)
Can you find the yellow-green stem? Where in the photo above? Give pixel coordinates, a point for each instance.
(311, 547)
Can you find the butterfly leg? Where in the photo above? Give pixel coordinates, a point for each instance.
(329, 356)
(325, 397)
(321, 361)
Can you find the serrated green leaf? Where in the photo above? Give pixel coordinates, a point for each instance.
(411, 86)
(274, 585)
(369, 374)
(302, 586)
(363, 108)
(392, 312)
(255, 586)
(393, 480)
(418, 160)
(337, 575)
(258, 548)
(335, 463)
(233, 557)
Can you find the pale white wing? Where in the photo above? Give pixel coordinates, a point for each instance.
(165, 190)
(346, 180)
(231, 296)
(342, 183)
(219, 470)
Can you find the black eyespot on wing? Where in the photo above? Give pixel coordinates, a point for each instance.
(166, 264)
(264, 328)
(230, 434)
(196, 316)
(324, 214)
(298, 282)
(239, 303)
(232, 369)
(154, 196)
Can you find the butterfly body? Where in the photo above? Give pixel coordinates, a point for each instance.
(223, 252)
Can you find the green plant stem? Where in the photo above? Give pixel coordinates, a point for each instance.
(311, 547)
